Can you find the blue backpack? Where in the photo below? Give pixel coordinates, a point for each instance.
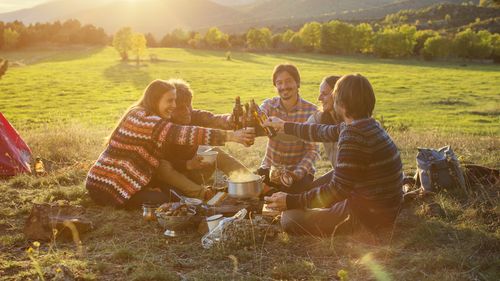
(438, 169)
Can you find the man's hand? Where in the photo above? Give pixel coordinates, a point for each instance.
(196, 163)
(244, 136)
(277, 201)
(275, 122)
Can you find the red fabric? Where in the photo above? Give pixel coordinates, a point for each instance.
(15, 155)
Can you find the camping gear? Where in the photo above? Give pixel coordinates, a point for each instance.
(148, 212)
(217, 198)
(438, 169)
(247, 188)
(53, 220)
(230, 206)
(217, 235)
(177, 218)
(15, 155)
(213, 221)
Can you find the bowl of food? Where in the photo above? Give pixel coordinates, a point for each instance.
(175, 216)
(208, 157)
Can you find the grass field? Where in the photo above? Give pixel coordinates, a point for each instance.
(93, 86)
(64, 103)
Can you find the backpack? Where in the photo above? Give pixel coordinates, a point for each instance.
(438, 169)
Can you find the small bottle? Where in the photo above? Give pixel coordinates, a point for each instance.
(39, 167)
(261, 117)
(237, 117)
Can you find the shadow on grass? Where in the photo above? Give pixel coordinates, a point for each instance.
(328, 59)
(59, 54)
(124, 72)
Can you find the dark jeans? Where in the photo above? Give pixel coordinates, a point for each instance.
(148, 195)
(320, 222)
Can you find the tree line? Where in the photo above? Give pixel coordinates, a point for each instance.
(15, 35)
(334, 37)
(342, 38)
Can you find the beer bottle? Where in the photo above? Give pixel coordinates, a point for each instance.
(261, 117)
(249, 120)
(237, 117)
(39, 167)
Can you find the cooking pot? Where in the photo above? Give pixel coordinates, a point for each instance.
(251, 187)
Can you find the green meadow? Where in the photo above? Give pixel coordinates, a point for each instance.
(93, 86)
(64, 102)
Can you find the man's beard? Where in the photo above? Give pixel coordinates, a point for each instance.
(289, 94)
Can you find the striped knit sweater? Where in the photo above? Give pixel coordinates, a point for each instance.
(368, 172)
(132, 155)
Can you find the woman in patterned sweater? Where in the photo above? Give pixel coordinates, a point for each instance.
(121, 175)
(365, 188)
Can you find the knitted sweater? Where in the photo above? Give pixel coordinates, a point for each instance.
(132, 155)
(368, 172)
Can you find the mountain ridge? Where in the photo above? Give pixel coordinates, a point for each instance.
(155, 16)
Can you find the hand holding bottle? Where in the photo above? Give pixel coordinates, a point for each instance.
(243, 136)
(275, 122)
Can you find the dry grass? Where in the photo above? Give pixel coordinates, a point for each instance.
(463, 244)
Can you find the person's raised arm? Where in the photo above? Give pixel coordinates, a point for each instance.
(192, 135)
(306, 131)
(207, 119)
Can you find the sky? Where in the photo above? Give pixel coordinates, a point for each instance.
(12, 5)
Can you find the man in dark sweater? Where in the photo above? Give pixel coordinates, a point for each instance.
(181, 167)
(365, 188)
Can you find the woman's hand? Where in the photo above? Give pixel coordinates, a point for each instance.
(244, 136)
(275, 122)
(196, 163)
(277, 201)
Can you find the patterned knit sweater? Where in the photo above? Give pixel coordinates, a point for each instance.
(368, 172)
(132, 155)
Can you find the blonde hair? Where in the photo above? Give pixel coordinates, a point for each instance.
(183, 89)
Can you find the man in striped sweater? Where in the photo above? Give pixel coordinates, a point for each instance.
(365, 188)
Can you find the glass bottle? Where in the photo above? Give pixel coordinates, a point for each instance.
(237, 117)
(261, 117)
(39, 167)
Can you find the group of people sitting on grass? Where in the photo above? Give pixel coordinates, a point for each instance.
(154, 149)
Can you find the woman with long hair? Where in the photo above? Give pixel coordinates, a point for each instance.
(121, 174)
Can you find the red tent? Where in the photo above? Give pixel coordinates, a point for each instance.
(15, 155)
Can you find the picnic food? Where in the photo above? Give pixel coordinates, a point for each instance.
(175, 209)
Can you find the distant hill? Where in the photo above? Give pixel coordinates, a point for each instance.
(375, 11)
(434, 17)
(235, 16)
(52, 10)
